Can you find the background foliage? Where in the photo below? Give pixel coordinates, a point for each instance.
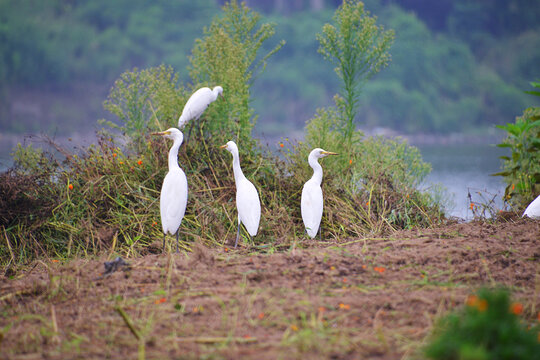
(443, 78)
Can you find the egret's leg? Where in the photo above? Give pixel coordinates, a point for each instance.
(164, 236)
(177, 241)
(237, 234)
(320, 234)
(189, 132)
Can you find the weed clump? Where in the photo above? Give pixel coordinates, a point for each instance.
(489, 326)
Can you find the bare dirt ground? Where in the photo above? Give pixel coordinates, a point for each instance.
(373, 298)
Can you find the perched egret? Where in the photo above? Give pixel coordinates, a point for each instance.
(312, 196)
(197, 103)
(533, 210)
(174, 192)
(247, 198)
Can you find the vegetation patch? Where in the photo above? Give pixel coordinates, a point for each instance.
(105, 197)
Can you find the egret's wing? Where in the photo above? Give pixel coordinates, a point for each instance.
(173, 200)
(312, 207)
(249, 206)
(195, 106)
(533, 210)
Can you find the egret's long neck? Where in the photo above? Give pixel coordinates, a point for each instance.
(238, 174)
(215, 94)
(173, 154)
(317, 169)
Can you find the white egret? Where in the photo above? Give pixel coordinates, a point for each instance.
(197, 103)
(312, 196)
(533, 210)
(247, 197)
(174, 192)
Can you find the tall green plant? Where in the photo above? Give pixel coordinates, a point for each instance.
(359, 49)
(521, 170)
(228, 55)
(143, 99)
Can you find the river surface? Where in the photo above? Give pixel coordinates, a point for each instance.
(464, 169)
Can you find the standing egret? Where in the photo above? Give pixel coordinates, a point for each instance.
(174, 192)
(247, 198)
(533, 210)
(312, 196)
(197, 103)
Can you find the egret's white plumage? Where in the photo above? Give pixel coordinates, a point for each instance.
(197, 103)
(247, 197)
(312, 196)
(533, 210)
(174, 192)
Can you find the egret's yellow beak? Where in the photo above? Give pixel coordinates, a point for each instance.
(223, 146)
(161, 133)
(329, 153)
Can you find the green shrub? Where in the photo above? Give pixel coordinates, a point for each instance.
(228, 55)
(142, 100)
(488, 327)
(521, 170)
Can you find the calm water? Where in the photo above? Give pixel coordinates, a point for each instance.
(464, 168)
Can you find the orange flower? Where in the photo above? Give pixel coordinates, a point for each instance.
(247, 337)
(344, 306)
(350, 162)
(516, 308)
(226, 249)
(344, 279)
(513, 187)
(121, 162)
(114, 154)
(472, 206)
(70, 186)
(364, 266)
(139, 162)
(154, 223)
(322, 309)
(482, 305)
(472, 300)
(332, 268)
(54, 260)
(160, 301)
(379, 269)
(261, 316)
(294, 327)
(281, 145)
